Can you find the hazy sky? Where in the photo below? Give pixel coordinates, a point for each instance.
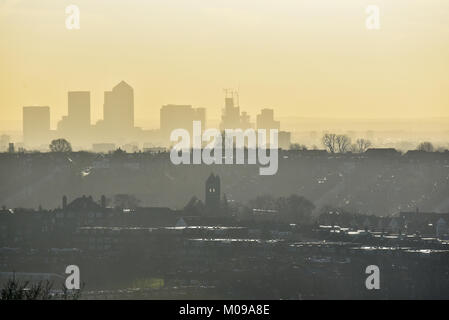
(301, 57)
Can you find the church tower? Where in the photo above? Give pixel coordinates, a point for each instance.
(213, 194)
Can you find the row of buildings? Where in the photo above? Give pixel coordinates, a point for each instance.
(118, 127)
(157, 252)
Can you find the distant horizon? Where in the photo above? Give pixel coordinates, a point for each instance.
(5, 124)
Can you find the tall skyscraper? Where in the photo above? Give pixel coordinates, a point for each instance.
(118, 111)
(36, 125)
(76, 125)
(231, 117)
(79, 109)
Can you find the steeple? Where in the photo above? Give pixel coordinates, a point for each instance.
(212, 198)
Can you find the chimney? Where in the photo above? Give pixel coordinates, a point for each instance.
(11, 147)
(64, 202)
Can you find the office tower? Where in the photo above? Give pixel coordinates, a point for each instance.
(265, 120)
(245, 122)
(118, 111)
(212, 198)
(79, 109)
(75, 127)
(36, 125)
(180, 117)
(230, 118)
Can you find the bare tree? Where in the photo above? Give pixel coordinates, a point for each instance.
(330, 142)
(343, 143)
(16, 290)
(361, 145)
(73, 294)
(60, 145)
(425, 146)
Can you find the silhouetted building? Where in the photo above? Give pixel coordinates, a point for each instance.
(118, 112)
(103, 147)
(425, 223)
(76, 125)
(4, 142)
(212, 198)
(245, 121)
(180, 117)
(130, 147)
(382, 152)
(36, 125)
(103, 201)
(284, 140)
(265, 120)
(231, 117)
(79, 109)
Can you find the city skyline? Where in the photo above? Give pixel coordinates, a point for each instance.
(307, 59)
(117, 125)
(216, 118)
(225, 156)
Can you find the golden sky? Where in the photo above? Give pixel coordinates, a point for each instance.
(311, 58)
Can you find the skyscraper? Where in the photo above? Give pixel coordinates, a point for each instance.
(180, 117)
(231, 117)
(76, 125)
(79, 109)
(36, 125)
(118, 111)
(265, 120)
